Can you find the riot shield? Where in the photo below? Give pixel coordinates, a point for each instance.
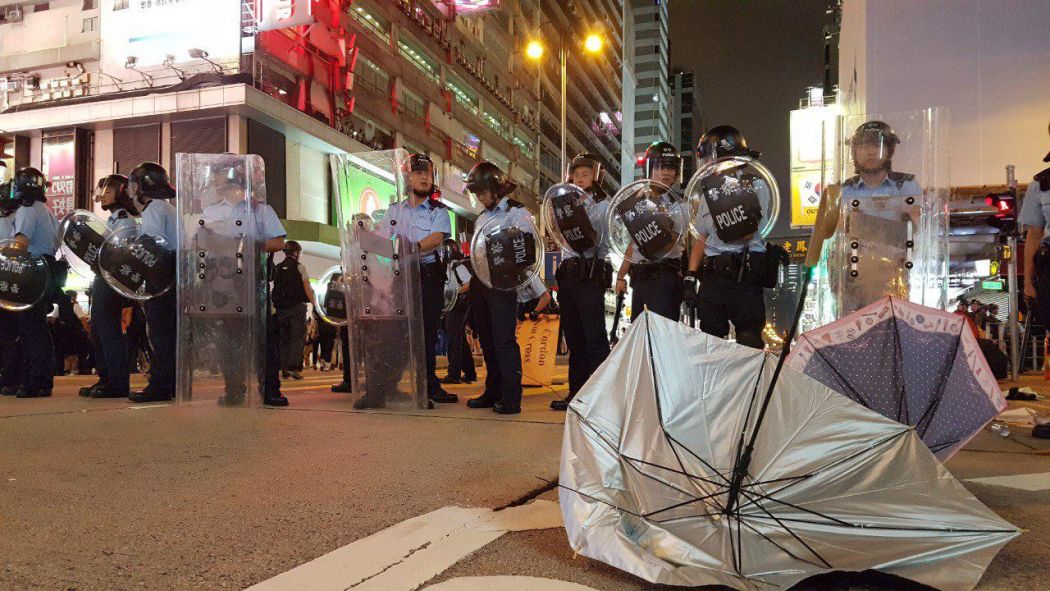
(222, 283)
(331, 297)
(505, 252)
(891, 235)
(136, 265)
(82, 236)
(384, 311)
(24, 279)
(733, 200)
(566, 217)
(649, 219)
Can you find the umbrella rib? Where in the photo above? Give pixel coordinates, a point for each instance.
(684, 503)
(679, 472)
(782, 548)
(943, 530)
(927, 415)
(898, 352)
(698, 458)
(939, 446)
(691, 496)
(593, 498)
(790, 532)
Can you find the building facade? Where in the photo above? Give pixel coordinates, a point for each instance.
(652, 95)
(685, 119)
(91, 87)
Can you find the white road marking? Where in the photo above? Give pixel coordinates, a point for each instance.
(406, 555)
(1029, 482)
(506, 584)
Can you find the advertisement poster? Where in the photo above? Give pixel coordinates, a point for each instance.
(538, 341)
(361, 191)
(59, 166)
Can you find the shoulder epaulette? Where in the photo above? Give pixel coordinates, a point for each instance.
(1044, 180)
(511, 203)
(851, 181)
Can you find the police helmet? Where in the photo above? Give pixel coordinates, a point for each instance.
(726, 140)
(486, 176)
(589, 161)
(663, 155)
(149, 179)
(29, 185)
(119, 184)
(7, 200)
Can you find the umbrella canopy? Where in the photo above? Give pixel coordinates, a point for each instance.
(916, 365)
(649, 452)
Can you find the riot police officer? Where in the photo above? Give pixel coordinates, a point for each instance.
(149, 187)
(107, 338)
(496, 311)
(724, 281)
(36, 231)
(657, 286)
(10, 348)
(424, 220)
(1037, 231)
(583, 278)
(873, 145)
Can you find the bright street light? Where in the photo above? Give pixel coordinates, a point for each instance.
(534, 50)
(593, 43)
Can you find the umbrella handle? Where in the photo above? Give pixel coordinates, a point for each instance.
(616, 319)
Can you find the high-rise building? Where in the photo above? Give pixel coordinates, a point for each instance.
(652, 95)
(83, 92)
(686, 118)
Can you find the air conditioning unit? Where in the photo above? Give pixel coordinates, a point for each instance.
(14, 14)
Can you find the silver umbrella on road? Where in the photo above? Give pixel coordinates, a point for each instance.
(665, 474)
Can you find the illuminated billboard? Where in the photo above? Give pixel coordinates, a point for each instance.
(150, 30)
(58, 162)
(813, 154)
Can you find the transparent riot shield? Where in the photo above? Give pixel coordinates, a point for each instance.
(506, 251)
(565, 216)
(733, 200)
(332, 294)
(222, 286)
(648, 222)
(82, 233)
(136, 265)
(891, 232)
(382, 273)
(24, 279)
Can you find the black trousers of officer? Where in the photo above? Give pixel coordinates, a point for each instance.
(460, 357)
(344, 350)
(722, 300)
(234, 359)
(291, 326)
(38, 348)
(107, 339)
(496, 320)
(432, 283)
(161, 331)
(11, 361)
(582, 302)
(656, 287)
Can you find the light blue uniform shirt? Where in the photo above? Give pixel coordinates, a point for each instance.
(116, 222)
(261, 222)
(1035, 209)
(679, 217)
(7, 227)
(714, 246)
(160, 219)
(597, 212)
(521, 218)
(36, 223)
(416, 223)
(895, 184)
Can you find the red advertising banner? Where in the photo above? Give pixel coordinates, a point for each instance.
(59, 166)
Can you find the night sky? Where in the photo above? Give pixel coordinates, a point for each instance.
(753, 60)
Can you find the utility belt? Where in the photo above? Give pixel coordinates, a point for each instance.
(646, 271)
(585, 270)
(761, 269)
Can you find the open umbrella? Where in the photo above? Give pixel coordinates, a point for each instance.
(656, 478)
(916, 365)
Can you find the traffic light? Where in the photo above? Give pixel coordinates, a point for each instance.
(1005, 205)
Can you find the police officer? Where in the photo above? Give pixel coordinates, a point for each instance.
(424, 220)
(724, 281)
(583, 278)
(873, 145)
(10, 349)
(495, 312)
(657, 286)
(35, 230)
(460, 357)
(107, 306)
(1035, 213)
(269, 234)
(291, 292)
(148, 186)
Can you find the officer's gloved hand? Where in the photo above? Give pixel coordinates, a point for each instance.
(691, 290)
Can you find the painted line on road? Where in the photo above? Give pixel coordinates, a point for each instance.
(506, 584)
(1028, 482)
(405, 556)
